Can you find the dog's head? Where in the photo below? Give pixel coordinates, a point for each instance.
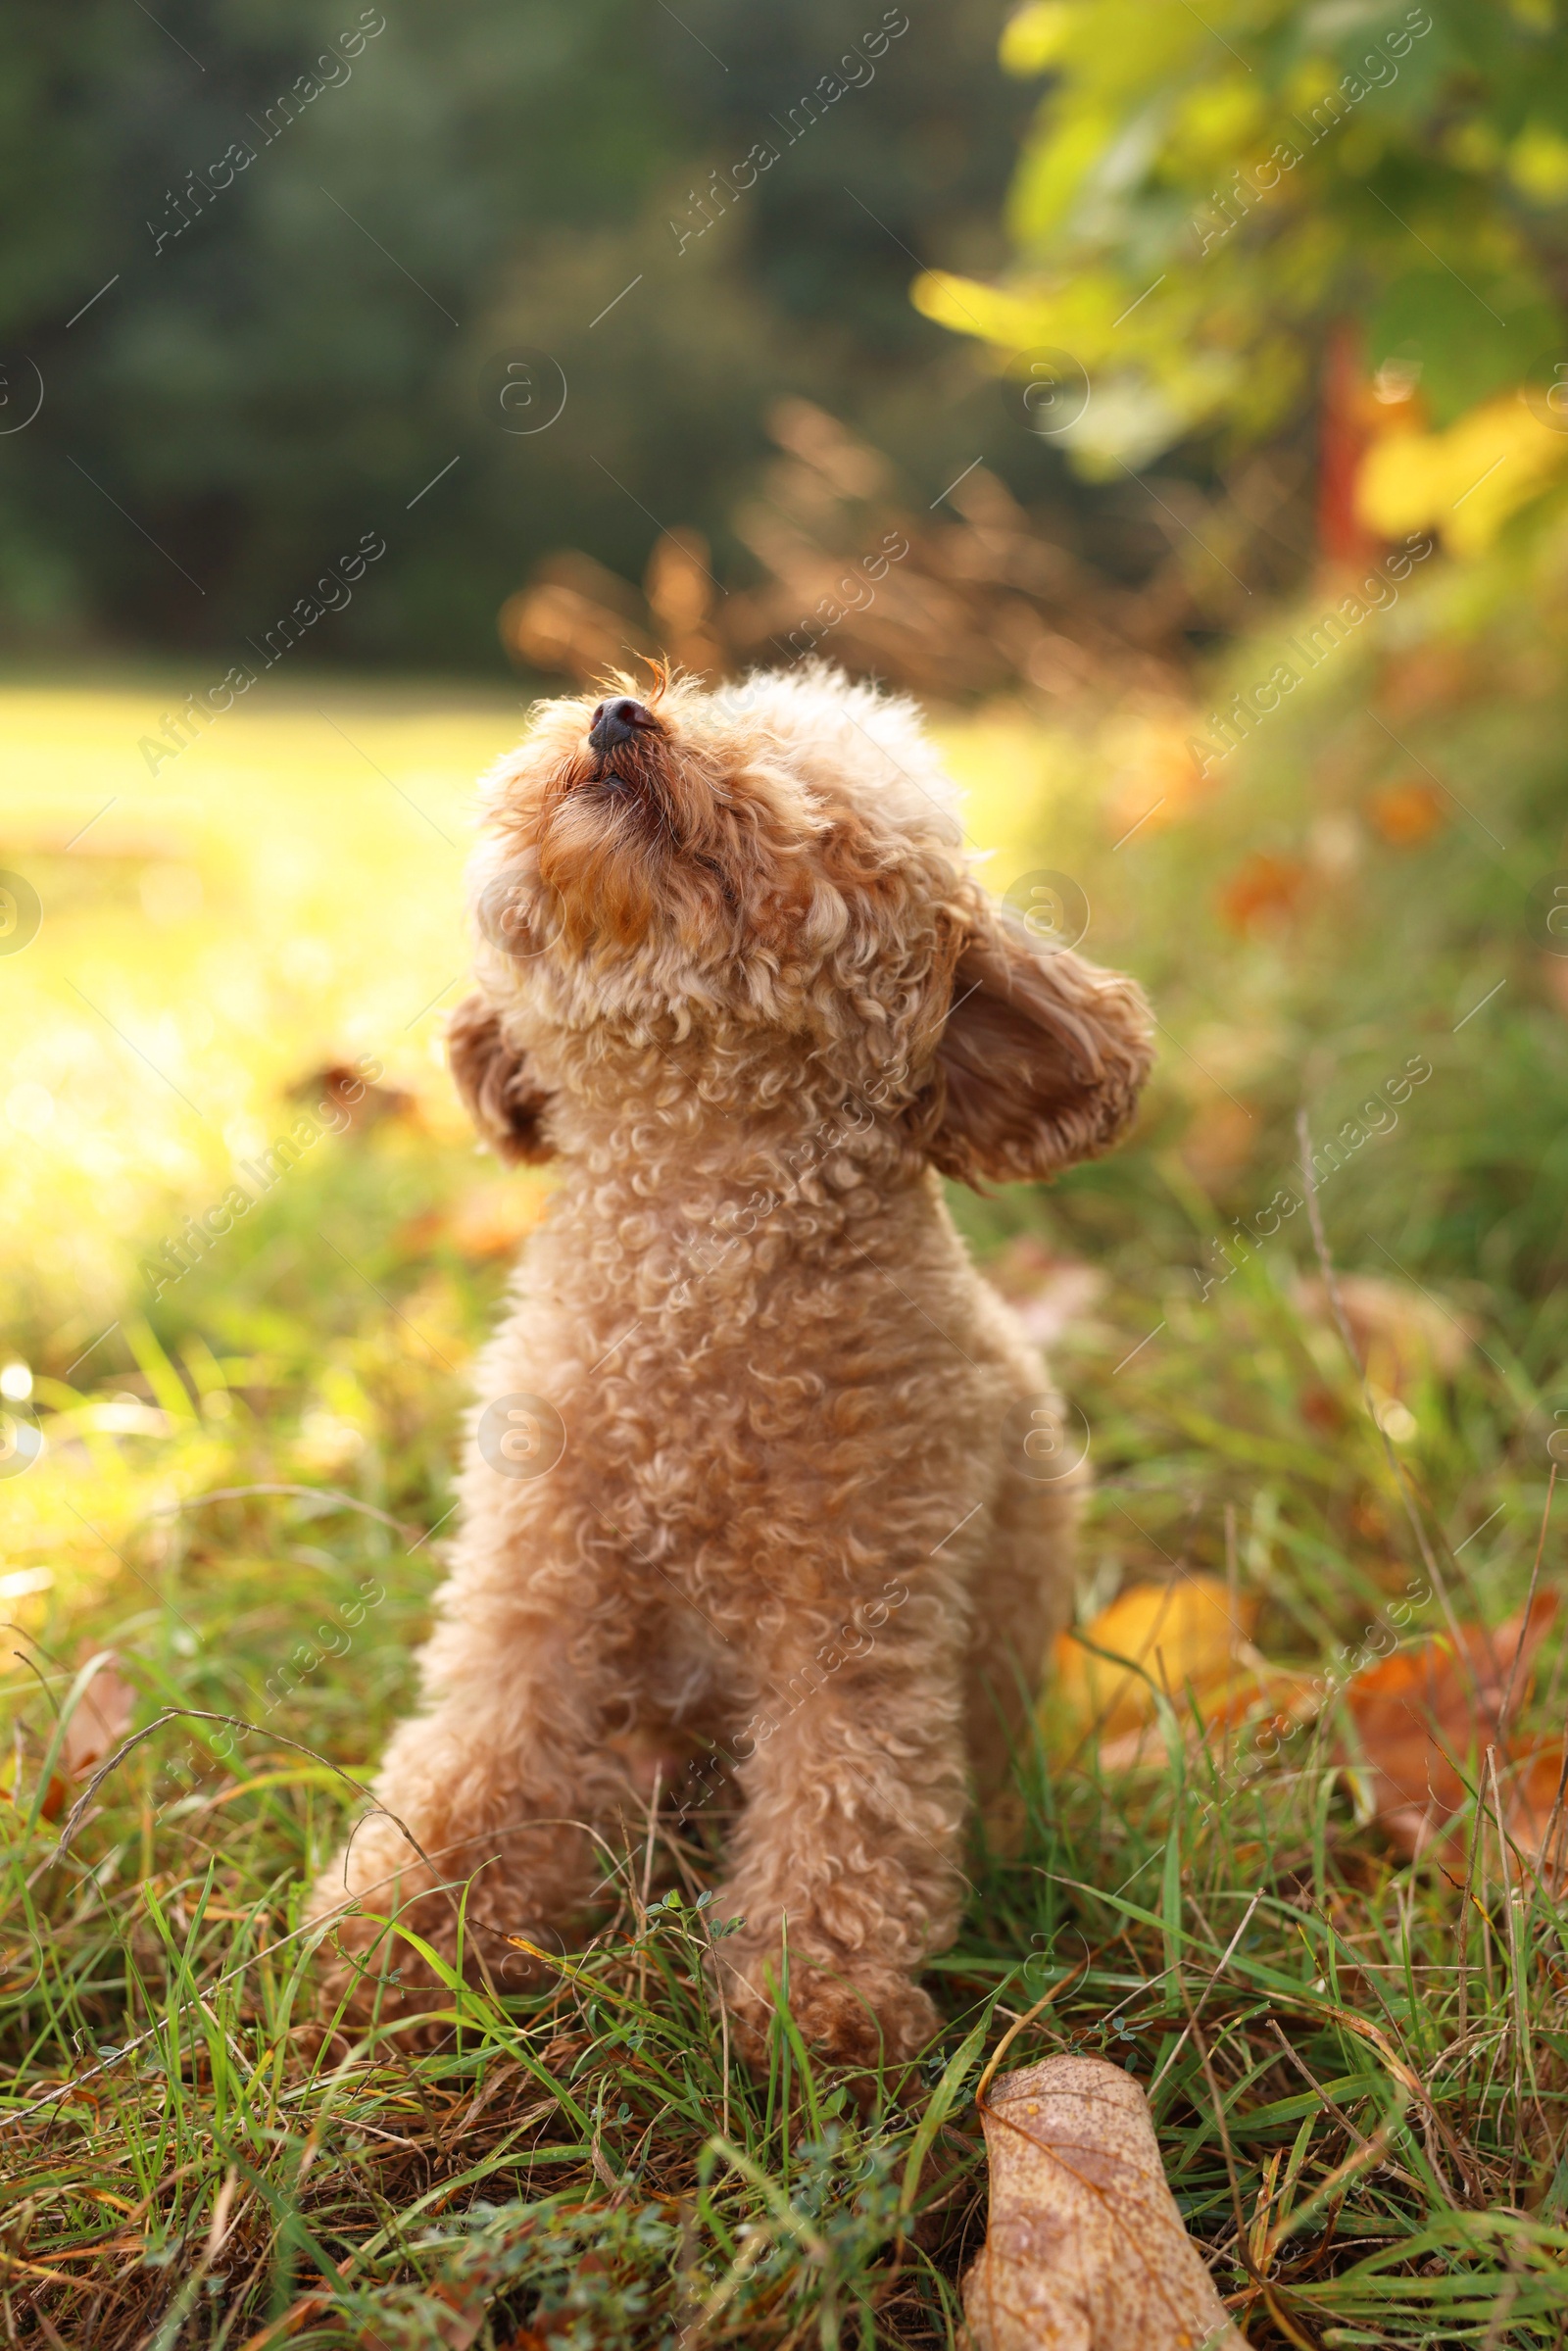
(777, 861)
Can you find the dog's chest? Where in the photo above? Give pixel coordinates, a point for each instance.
(811, 1343)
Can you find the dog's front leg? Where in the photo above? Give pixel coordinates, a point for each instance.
(489, 1796)
(846, 1864)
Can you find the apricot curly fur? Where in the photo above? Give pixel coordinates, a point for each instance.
(737, 976)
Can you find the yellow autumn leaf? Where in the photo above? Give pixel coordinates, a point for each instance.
(1192, 1629)
(1464, 482)
(969, 307)
(1036, 36)
(1538, 164)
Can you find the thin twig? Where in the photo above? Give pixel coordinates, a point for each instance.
(1516, 1973)
(1302, 2068)
(1464, 1935)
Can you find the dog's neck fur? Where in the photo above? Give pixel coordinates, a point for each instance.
(743, 1106)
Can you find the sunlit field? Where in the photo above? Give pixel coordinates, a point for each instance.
(230, 1465)
(286, 887)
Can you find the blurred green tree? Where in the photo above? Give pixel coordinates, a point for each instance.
(271, 258)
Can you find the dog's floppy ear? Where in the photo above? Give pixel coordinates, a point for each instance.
(499, 1090)
(1040, 1062)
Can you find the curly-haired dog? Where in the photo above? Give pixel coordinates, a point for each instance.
(758, 1456)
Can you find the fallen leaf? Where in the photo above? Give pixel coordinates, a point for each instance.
(487, 1222)
(1401, 1335)
(1262, 892)
(1434, 676)
(51, 1804)
(461, 2321)
(1189, 1627)
(1407, 813)
(359, 1104)
(1220, 1143)
(99, 1720)
(1425, 1717)
(1085, 2249)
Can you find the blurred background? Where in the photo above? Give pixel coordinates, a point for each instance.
(1176, 402)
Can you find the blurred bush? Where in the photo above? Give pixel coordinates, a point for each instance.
(1209, 205)
(976, 598)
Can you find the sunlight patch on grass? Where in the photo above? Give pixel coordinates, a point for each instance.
(283, 894)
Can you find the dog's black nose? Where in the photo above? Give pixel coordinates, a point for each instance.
(616, 722)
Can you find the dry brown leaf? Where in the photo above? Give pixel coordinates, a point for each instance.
(1263, 892)
(1085, 2248)
(1401, 1335)
(1407, 813)
(360, 1103)
(491, 1220)
(99, 1720)
(487, 1222)
(458, 2326)
(1425, 1717)
(1220, 1142)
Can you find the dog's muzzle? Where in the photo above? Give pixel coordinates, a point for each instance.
(619, 721)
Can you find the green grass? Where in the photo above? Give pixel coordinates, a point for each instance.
(193, 2174)
(1357, 2065)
